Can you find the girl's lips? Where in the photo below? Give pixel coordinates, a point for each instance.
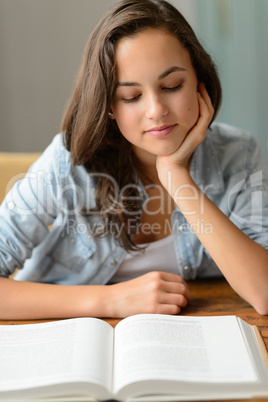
(162, 131)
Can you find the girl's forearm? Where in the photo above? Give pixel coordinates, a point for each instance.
(154, 292)
(242, 261)
(26, 300)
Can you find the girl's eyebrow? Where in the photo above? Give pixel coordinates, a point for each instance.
(171, 70)
(163, 75)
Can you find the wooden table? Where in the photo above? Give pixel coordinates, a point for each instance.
(209, 297)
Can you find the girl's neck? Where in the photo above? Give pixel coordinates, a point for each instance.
(146, 167)
(147, 173)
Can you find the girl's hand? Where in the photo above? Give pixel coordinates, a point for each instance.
(180, 158)
(154, 293)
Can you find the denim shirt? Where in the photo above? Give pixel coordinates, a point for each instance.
(44, 234)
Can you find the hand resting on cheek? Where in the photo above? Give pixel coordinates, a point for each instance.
(180, 158)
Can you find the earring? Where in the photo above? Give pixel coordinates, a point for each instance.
(111, 114)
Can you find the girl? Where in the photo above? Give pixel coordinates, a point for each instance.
(140, 192)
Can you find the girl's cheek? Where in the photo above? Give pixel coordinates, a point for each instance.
(193, 110)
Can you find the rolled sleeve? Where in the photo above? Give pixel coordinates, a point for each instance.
(28, 210)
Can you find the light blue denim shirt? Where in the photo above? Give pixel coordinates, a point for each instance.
(43, 233)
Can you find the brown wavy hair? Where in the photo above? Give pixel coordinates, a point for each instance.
(93, 139)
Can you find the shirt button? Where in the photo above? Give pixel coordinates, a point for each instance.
(49, 177)
(11, 205)
(261, 188)
(72, 240)
(187, 272)
(113, 262)
(186, 269)
(181, 228)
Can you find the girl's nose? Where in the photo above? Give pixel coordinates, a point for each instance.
(156, 107)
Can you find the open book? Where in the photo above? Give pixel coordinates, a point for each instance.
(146, 357)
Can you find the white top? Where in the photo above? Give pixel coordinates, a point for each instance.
(157, 256)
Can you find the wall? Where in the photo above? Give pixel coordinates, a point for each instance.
(41, 44)
(236, 32)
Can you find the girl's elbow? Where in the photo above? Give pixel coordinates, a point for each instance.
(261, 305)
(263, 310)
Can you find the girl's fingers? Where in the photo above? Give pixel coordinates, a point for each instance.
(169, 309)
(174, 299)
(206, 111)
(206, 107)
(176, 288)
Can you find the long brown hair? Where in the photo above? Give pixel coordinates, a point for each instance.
(93, 139)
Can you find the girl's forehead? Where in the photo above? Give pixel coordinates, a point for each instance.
(148, 40)
(151, 34)
(151, 48)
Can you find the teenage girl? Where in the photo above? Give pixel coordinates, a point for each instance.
(141, 191)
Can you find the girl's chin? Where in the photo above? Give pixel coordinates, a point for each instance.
(151, 154)
(167, 151)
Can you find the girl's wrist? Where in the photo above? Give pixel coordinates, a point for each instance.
(93, 301)
(175, 179)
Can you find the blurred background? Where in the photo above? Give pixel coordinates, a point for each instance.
(42, 41)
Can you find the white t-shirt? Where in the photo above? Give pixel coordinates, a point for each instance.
(157, 256)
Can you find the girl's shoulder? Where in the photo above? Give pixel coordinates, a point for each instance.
(234, 146)
(226, 134)
(57, 160)
(54, 157)
(227, 154)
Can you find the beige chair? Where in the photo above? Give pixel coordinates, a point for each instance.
(13, 166)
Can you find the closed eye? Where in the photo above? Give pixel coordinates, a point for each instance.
(131, 100)
(168, 89)
(173, 88)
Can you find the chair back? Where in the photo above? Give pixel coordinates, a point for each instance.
(13, 167)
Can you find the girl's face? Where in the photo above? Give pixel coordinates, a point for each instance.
(156, 102)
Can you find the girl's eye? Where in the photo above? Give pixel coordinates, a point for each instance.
(131, 100)
(168, 89)
(173, 88)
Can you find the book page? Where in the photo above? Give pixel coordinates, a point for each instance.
(195, 349)
(62, 351)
